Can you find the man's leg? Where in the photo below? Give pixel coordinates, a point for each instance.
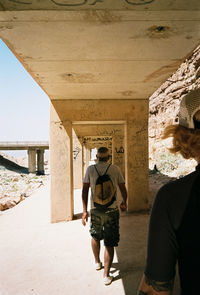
(108, 259)
(96, 249)
(111, 239)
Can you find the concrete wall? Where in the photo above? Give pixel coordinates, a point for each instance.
(126, 119)
(77, 160)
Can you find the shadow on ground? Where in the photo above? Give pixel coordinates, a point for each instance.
(131, 251)
(12, 166)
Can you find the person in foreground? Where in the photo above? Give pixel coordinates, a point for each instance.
(103, 179)
(174, 230)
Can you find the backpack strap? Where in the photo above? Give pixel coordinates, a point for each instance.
(104, 172)
(96, 170)
(107, 169)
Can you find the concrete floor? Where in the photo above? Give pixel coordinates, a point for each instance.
(40, 258)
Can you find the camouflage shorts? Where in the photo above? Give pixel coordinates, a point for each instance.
(105, 226)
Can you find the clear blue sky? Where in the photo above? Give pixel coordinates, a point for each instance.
(24, 107)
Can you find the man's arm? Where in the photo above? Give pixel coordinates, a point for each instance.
(151, 287)
(123, 191)
(85, 202)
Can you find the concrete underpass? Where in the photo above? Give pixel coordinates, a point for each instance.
(99, 62)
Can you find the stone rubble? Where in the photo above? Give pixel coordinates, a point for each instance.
(15, 187)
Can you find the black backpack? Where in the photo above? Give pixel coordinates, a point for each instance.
(104, 194)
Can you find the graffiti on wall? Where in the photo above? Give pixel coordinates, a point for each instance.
(119, 150)
(119, 154)
(139, 2)
(76, 152)
(98, 141)
(83, 2)
(96, 138)
(21, 2)
(71, 3)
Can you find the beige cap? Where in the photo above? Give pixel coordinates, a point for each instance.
(189, 105)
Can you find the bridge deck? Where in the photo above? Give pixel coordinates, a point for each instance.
(24, 145)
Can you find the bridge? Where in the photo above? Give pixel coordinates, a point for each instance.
(35, 152)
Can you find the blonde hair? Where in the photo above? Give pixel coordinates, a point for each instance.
(185, 141)
(197, 116)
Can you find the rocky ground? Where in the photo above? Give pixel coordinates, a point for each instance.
(15, 186)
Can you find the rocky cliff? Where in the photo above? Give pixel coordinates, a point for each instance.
(163, 110)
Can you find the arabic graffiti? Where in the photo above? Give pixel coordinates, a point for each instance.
(20, 2)
(120, 150)
(96, 1)
(95, 139)
(71, 3)
(79, 3)
(139, 2)
(76, 151)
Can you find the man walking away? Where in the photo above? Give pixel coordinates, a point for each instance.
(103, 178)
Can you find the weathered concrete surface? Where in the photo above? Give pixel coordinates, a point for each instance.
(61, 161)
(103, 54)
(41, 258)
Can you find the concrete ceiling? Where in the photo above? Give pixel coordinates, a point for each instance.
(99, 4)
(100, 49)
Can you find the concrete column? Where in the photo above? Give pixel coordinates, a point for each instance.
(85, 160)
(136, 163)
(77, 161)
(40, 162)
(61, 161)
(83, 163)
(32, 161)
(87, 157)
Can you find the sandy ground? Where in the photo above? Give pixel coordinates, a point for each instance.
(41, 258)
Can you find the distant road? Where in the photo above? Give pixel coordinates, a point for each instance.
(23, 145)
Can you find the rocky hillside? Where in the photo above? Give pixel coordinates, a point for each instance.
(163, 110)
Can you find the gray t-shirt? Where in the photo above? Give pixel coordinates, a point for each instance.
(91, 176)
